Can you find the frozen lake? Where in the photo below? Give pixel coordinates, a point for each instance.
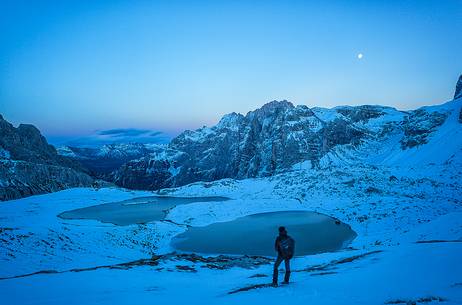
(255, 234)
(133, 211)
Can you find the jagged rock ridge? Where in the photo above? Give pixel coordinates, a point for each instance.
(29, 165)
(458, 91)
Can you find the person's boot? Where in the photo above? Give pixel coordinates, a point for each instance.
(286, 278)
(275, 277)
(275, 282)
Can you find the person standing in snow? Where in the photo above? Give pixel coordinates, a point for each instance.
(285, 247)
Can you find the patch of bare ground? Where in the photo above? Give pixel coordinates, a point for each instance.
(432, 241)
(221, 262)
(422, 300)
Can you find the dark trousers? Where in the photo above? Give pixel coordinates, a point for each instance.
(279, 260)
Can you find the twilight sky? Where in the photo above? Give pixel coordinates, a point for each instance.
(74, 68)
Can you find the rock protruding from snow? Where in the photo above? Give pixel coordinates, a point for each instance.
(418, 125)
(29, 165)
(458, 92)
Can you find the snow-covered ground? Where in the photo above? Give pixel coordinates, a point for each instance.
(409, 244)
(405, 204)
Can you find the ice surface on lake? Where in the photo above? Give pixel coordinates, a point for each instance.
(137, 210)
(255, 234)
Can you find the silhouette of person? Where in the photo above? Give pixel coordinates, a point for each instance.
(285, 247)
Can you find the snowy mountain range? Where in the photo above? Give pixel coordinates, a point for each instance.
(273, 139)
(102, 160)
(280, 136)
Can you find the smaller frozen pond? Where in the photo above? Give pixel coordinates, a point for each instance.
(255, 234)
(137, 210)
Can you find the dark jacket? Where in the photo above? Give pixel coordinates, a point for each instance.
(285, 246)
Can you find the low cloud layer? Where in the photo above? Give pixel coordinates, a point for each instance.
(129, 132)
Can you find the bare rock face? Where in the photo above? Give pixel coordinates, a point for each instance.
(29, 165)
(458, 91)
(418, 125)
(21, 179)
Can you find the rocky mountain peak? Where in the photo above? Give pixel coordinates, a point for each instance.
(271, 108)
(458, 92)
(284, 104)
(230, 120)
(29, 129)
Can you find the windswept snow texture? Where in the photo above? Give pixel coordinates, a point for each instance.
(409, 243)
(280, 136)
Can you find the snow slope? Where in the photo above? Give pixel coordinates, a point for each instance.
(389, 215)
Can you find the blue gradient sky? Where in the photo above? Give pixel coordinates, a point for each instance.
(73, 67)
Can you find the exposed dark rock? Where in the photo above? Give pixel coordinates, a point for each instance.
(221, 262)
(418, 125)
(29, 165)
(258, 275)
(458, 91)
(324, 273)
(22, 179)
(373, 190)
(430, 299)
(438, 241)
(252, 287)
(185, 268)
(361, 113)
(333, 264)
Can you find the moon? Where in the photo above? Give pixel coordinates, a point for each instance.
(360, 55)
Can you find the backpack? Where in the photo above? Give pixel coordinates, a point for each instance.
(287, 247)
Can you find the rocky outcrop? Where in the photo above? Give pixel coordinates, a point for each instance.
(29, 165)
(21, 179)
(458, 91)
(26, 143)
(418, 126)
